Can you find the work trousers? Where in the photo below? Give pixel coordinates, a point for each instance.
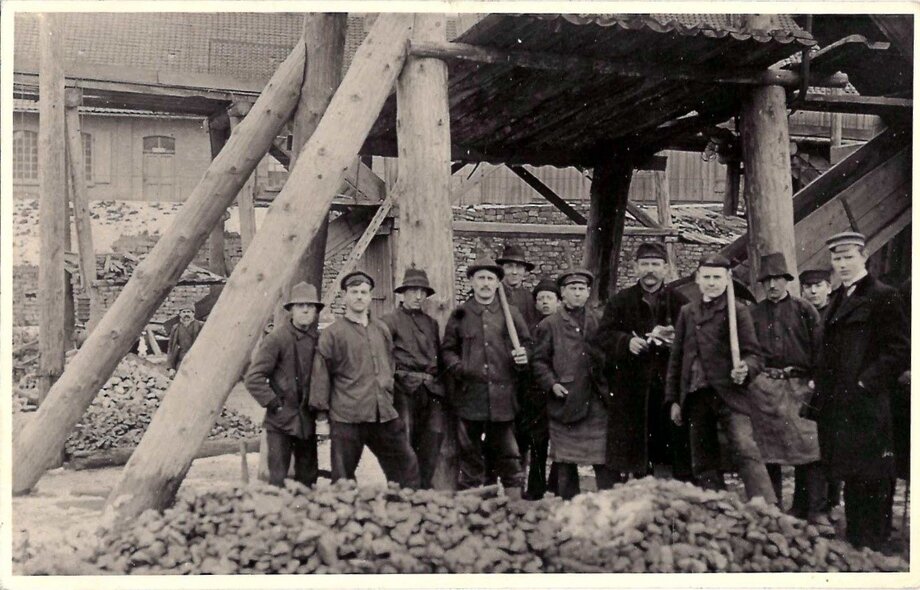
(423, 415)
(568, 486)
(283, 446)
(809, 498)
(473, 438)
(531, 432)
(387, 440)
(866, 507)
(705, 411)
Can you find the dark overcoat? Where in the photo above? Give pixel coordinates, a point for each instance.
(634, 379)
(865, 349)
(181, 340)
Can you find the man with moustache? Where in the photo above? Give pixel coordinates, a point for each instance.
(515, 266)
(636, 332)
(704, 387)
(353, 382)
(487, 371)
(182, 337)
(865, 349)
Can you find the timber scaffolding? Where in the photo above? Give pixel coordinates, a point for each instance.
(514, 89)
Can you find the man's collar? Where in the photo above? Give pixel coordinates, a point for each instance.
(355, 321)
(781, 299)
(478, 307)
(657, 289)
(858, 278)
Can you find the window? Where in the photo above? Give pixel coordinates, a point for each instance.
(159, 144)
(159, 168)
(88, 157)
(25, 155)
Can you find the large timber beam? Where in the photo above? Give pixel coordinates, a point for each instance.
(882, 106)
(213, 365)
(245, 200)
(548, 194)
(606, 221)
(43, 437)
(585, 66)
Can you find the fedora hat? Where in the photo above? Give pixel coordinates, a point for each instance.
(415, 278)
(773, 265)
(514, 253)
(303, 292)
(485, 263)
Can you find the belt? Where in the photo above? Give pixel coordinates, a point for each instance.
(787, 373)
(423, 374)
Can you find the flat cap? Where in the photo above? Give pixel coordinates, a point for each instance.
(847, 238)
(546, 284)
(814, 275)
(715, 260)
(575, 275)
(652, 250)
(356, 277)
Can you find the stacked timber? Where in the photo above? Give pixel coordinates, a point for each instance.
(647, 525)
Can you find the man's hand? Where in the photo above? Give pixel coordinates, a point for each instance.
(519, 355)
(560, 391)
(740, 373)
(675, 415)
(274, 405)
(322, 416)
(637, 345)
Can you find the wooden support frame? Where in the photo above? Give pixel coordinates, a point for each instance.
(732, 188)
(541, 230)
(587, 66)
(548, 194)
(606, 223)
(245, 200)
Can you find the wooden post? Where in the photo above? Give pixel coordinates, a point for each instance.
(73, 98)
(423, 189)
(43, 437)
(663, 202)
(212, 367)
(324, 41)
(606, 220)
(768, 180)
(246, 199)
(53, 222)
(732, 187)
(217, 263)
(836, 126)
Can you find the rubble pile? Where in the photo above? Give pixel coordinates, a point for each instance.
(643, 526)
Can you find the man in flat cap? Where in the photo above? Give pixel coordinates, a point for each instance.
(278, 378)
(487, 372)
(789, 333)
(568, 367)
(816, 287)
(353, 382)
(865, 349)
(182, 337)
(419, 393)
(706, 389)
(636, 332)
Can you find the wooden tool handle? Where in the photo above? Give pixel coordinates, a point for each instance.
(509, 321)
(733, 322)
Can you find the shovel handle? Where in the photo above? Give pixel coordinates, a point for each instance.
(509, 321)
(733, 322)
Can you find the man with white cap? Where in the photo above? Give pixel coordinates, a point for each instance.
(182, 337)
(279, 379)
(353, 382)
(865, 348)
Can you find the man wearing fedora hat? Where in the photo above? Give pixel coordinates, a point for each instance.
(279, 378)
(487, 371)
(788, 329)
(182, 337)
(418, 393)
(515, 266)
(353, 375)
(636, 332)
(864, 350)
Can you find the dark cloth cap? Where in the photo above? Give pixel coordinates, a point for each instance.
(652, 250)
(847, 238)
(415, 278)
(715, 260)
(485, 263)
(303, 292)
(546, 284)
(575, 275)
(514, 253)
(773, 265)
(814, 275)
(356, 277)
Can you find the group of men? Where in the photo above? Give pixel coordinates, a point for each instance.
(645, 387)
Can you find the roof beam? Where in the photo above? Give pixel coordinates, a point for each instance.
(861, 105)
(541, 230)
(578, 65)
(548, 194)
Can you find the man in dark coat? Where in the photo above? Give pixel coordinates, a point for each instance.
(636, 332)
(570, 369)
(487, 371)
(182, 338)
(279, 379)
(789, 332)
(865, 349)
(515, 266)
(706, 389)
(418, 393)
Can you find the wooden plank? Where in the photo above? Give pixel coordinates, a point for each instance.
(53, 217)
(641, 216)
(245, 200)
(471, 180)
(43, 438)
(539, 230)
(876, 242)
(899, 28)
(548, 194)
(584, 66)
(212, 367)
(119, 456)
(732, 188)
(850, 103)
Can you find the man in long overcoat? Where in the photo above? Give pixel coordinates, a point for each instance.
(635, 332)
(865, 350)
(182, 337)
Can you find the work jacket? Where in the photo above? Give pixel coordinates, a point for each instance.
(563, 354)
(181, 340)
(416, 351)
(865, 342)
(702, 334)
(522, 298)
(281, 369)
(477, 353)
